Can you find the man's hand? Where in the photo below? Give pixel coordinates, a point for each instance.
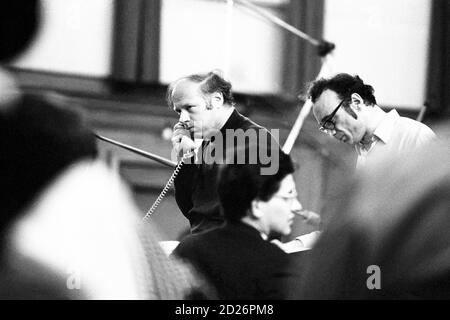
(181, 140)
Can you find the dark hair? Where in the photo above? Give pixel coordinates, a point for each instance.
(240, 184)
(344, 85)
(19, 21)
(209, 83)
(39, 138)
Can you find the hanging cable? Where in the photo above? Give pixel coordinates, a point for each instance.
(323, 47)
(229, 36)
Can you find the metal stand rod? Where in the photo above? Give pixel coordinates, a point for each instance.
(145, 154)
(295, 131)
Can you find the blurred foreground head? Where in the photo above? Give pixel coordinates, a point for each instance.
(19, 20)
(70, 227)
(39, 137)
(389, 238)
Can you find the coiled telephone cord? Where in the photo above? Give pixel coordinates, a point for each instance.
(167, 186)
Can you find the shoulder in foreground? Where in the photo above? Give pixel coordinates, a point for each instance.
(193, 241)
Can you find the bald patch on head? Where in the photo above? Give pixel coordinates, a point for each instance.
(183, 87)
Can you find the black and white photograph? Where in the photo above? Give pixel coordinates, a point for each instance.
(228, 158)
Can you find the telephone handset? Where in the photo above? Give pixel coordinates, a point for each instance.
(186, 144)
(189, 145)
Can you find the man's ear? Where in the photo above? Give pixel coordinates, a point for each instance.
(357, 101)
(256, 209)
(216, 99)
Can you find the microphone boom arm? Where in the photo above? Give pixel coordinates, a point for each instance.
(140, 152)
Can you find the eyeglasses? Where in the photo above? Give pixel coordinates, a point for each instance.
(327, 125)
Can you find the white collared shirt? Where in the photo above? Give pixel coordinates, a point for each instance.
(393, 136)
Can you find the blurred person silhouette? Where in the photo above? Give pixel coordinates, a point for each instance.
(69, 226)
(389, 238)
(19, 21)
(38, 142)
(238, 257)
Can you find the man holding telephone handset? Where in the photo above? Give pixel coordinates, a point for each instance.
(206, 111)
(205, 105)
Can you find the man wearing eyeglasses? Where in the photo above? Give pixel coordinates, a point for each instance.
(237, 258)
(345, 108)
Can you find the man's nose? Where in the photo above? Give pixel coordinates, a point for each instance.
(184, 116)
(296, 206)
